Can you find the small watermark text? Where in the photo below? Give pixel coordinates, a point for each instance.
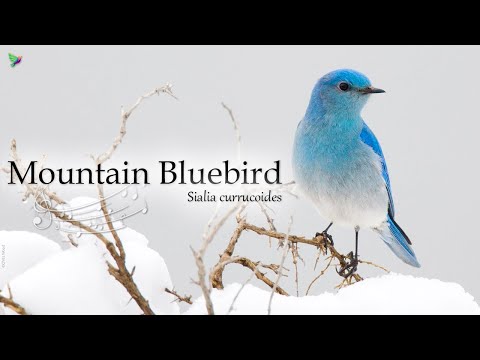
(4, 256)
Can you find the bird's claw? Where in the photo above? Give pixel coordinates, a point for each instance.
(350, 267)
(327, 239)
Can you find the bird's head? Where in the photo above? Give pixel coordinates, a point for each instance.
(342, 91)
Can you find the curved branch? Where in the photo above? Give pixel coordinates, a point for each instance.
(11, 304)
(166, 89)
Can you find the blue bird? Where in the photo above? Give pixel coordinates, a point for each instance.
(339, 165)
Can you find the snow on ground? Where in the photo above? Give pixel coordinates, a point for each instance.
(76, 281)
(20, 250)
(389, 294)
(46, 280)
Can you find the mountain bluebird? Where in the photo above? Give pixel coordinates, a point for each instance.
(339, 165)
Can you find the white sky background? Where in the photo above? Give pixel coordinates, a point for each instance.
(65, 102)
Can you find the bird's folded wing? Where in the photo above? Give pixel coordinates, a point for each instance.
(12, 57)
(368, 137)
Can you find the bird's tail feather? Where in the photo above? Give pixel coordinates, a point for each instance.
(397, 241)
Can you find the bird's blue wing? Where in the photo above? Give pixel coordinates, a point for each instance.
(368, 137)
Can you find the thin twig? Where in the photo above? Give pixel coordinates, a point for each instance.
(11, 304)
(250, 278)
(284, 256)
(238, 137)
(202, 273)
(121, 273)
(166, 89)
(320, 275)
(180, 298)
(72, 240)
(374, 265)
(269, 220)
(226, 258)
(294, 249)
(208, 237)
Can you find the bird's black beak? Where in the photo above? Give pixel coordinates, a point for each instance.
(371, 90)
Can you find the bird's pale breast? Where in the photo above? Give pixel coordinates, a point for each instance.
(343, 179)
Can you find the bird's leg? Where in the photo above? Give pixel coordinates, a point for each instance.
(326, 235)
(351, 261)
(327, 239)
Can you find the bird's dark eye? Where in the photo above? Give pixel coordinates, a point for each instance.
(344, 86)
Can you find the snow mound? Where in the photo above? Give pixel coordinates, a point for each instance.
(20, 250)
(77, 281)
(73, 282)
(389, 294)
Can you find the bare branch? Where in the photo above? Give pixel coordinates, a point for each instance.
(235, 298)
(374, 265)
(267, 216)
(320, 242)
(178, 297)
(11, 304)
(121, 273)
(295, 256)
(208, 236)
(202, 273)
(30, 190)
(166, 89)
(238, 137)
(320, 275)
(72, 240)
(279, 276)
(317, 242)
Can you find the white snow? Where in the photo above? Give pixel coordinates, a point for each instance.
(20, 250)
(76, 281)
(389, 294)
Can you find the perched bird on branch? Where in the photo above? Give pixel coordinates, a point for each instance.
(339, 164)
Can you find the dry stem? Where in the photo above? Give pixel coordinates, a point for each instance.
(166, 89)
(320, 275)
(238, 137)
(279, 276)
(324, 246)
(11, 304)
(210, 232)
(178, 297)
(117, 252)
